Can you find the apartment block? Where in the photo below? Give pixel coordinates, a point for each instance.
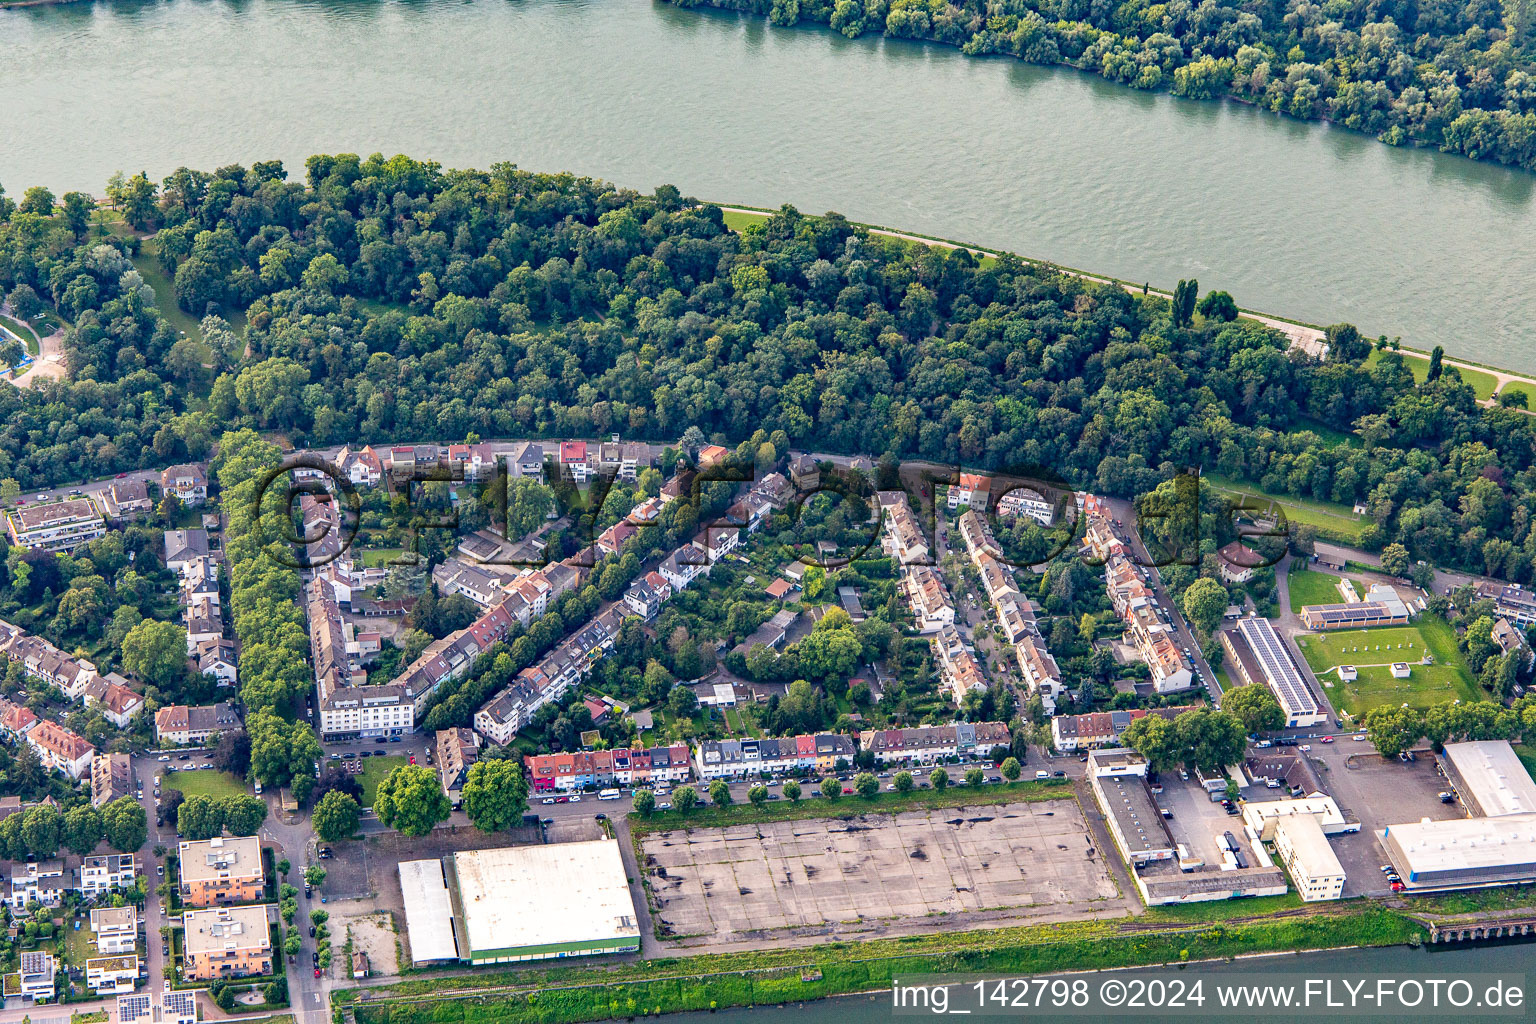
(221, 871)
(226, 942)
(114, 930)
(55, 526)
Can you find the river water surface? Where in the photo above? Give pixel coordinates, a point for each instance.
(1295, 219)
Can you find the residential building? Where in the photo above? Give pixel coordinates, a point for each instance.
(903, 539)
(221, 871)
(182, 546)
(457, 751)
(712, 455)
(575, 770)
(56, 525)
(1260, 657)
(185, 726)
(124, 499)
(38, 881)
(1511, 601)
(34, 981)
(39, 659)
(361, 466)
(804, 473)
(972, 489)
(112, 975)
(1041, 673)
(1019, 501)
(1510, 640)
(1071, 733)
(928, 597)
(787, 755)
(932, 744)
(227, 942)
(114, 930)
(189, 483)
(61, 749)
(100, 875)
(647, 594)
(119, 704)
(958, 669)
(111, 778)
(1237, 563)
(216, 658)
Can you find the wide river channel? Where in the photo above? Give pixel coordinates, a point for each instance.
(1295, 219)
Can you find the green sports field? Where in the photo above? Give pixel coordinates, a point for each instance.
(1307, 586)
(1371, 651)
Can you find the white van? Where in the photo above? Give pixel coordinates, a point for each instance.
(1042, 775)
(608, 794)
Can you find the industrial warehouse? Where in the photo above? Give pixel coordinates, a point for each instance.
(1495, 846)
(519, 903)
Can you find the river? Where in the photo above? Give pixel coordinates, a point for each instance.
(1294, 219)
(1444, 962)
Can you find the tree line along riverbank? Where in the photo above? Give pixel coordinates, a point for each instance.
(1460, 79)
(771, 976)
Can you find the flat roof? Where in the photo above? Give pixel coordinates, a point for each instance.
(1464, 849)
(1494, 776)
(212, 859)
(428, 911)
(1323, 809)
(224, 928)
(1136, 818)
(1305, 835)
(518, 897)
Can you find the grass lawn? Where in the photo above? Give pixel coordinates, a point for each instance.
(23, 332)
(1525, 388)
(1446, 679)
(1331, 519)
(375, 770)
(77, 944)
(1482, 383)
(377, 556)
(736, 221)
(207, 781)
(1310, 587)
(1329, 436)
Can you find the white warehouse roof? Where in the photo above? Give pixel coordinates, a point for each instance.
(428, 911)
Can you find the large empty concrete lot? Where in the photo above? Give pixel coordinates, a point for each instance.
(888, 873)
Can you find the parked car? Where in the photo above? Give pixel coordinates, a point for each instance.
(311, 931)
(317, 972)
(547, 800)
(1059, 774)
(183, 757)
(1326, 739)
(575, 798)
(163, 757)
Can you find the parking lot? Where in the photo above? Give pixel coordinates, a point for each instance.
(835, 876)
(1197, 820)
(1379, 792)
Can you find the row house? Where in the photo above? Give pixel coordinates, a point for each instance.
(1021, 501)
(958, 668)
(35, 979)
(978, 538)
(112, 778)
(101, 875)
(203, 622)
(1101, 539)
(1102, 728)
(682, 567)
(38, 881)
(903, 539)
(406, 461)
(111, 975)
(787, 755)
(199, 581)
(188, 482)
(932, 744)
(996, 579)
(573, 461)
(457, 751)
(1014, 617)
(61, 749)
(1039, 669)
(39, 659)
(182, 546)
(928, 597)
(581, 769)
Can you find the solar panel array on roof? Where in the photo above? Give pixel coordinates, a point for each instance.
(1286, 682)
(134, 1008)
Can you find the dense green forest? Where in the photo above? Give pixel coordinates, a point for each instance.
(1453, 74)
(389, 298)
